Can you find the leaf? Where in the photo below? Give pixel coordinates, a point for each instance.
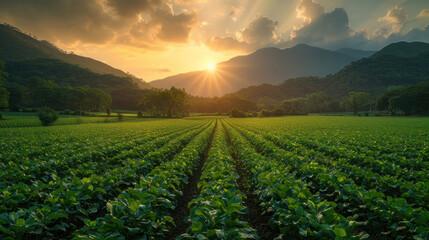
(303, 232)
(55, 215)
(300, 211)
(8, 232)
(20, 222)
(340, 232)
(220, 234)
(134, 205)
(61, 227)
(197, 226)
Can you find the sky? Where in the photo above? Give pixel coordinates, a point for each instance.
(153, 39)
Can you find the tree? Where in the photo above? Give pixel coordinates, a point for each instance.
(4, 98)
(177, 101)
(295, 106)
(410, 100)
(235, 113)
(358, 101)
(3, 74)
(317, 102)
(383, 100)
(4, 94)
(267, 103)
(165, 103)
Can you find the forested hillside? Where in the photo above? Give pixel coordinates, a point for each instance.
(25, 76)
(17, 46)
(373, 75)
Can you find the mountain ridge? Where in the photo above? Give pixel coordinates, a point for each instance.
(266, 65)
(373, 75)
(16, 45)
(403, 49)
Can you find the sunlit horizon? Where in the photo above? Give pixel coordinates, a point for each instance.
(159, 39)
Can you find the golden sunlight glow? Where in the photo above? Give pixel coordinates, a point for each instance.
(212, 66)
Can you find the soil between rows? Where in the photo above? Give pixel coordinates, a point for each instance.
(190, 192)
(256, 216)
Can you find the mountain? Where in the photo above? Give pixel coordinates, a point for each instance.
(18, 46)
(267, 65)
(356, 53)
(403, 49)
(373, 75)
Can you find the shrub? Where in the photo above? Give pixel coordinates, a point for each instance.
(265, 113)
(139, 114)
(2, 116)
(108, 111)
(235, 113)
(120, 117)
(67, 112)
(47, 116)
(278, 112)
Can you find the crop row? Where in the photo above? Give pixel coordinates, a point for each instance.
(401, 150)
(28, 186)
(65, 203)
(217, 213)
(362, 172)
(296, 212)
(53, 165)
(143, 211)
(378, 215)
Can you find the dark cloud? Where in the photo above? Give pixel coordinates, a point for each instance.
(132, 7)
(226, 44)
(141, 23)
(329, 27)
(261, 30)
(259, 33)
(332, 30)
(67, 20)
(174, 28)
(415, 34)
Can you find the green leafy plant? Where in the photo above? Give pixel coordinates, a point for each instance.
(47, 116)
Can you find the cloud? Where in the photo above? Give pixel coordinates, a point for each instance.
(130, 8)
(396, 17)
(415, 34)
(328, 27)
(309, 10)
(235, 12)
(423, 14)
(140, 23)
(188, 2)
(174, 28)
(260, 32)
(70, 21)
(226, 44)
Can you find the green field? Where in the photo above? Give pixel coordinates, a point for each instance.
(307, 177)
(30, 119)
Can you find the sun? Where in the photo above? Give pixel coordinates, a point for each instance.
(212, 66)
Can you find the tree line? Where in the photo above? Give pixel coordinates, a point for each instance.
(409, 100)
(176, 102)
(165, 102)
